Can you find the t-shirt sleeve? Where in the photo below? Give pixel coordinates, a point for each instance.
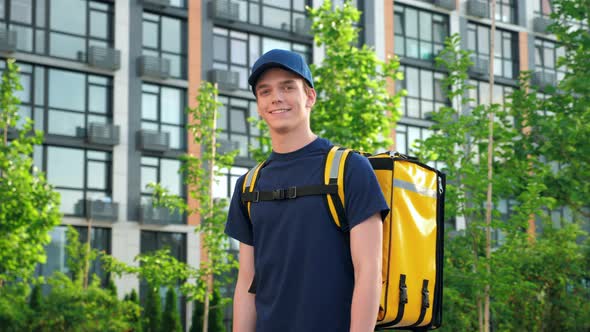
(363, 195)
(238, 224)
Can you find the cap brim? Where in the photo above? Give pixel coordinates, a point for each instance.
(260, 70)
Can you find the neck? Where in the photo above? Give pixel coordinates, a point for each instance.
(285, 143)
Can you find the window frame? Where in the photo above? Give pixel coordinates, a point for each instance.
(433, 46)
(473, 32)
(148, 50)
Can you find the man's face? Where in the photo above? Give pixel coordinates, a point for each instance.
(284, 101)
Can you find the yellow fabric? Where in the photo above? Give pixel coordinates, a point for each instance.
(329, 161)
(254, 177)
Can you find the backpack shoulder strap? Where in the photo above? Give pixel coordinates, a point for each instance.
(248, 186)
(334, 175)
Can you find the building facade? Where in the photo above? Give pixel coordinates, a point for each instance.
(108, 81)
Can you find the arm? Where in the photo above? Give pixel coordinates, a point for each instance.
(244, 308)
(366, 248)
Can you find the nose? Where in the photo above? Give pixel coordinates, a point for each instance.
(277, 96)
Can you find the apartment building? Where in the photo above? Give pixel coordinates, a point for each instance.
(108, 81)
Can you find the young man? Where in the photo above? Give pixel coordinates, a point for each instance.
(310, 275)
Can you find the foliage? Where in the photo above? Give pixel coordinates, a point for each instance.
(216, 314)
(112, 287)
(530, 286)
(79, 256)
(152, 314)
(171, 316)
(30, 207)
(14, 310)
(354, 107)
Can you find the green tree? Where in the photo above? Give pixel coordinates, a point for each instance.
(354, 107)
(216, 323)
(30, 207)
(152, 314)
(171, 316)
(112, 287)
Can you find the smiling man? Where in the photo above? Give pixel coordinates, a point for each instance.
(298, 271)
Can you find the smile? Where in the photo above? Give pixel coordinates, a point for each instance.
(282, 110)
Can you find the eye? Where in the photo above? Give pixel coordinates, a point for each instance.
(263, 92)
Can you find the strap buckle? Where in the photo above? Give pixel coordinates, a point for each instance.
(292, 192)
(256, 198)
(278, 194)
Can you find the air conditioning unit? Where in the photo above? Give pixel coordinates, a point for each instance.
(478, 8)
(104, 57)
(101, 210)
(159, 215)
(543, 79)
(154, 67)
(7, 40)
(446, 4)
(541, 23)
(285, 26)
(102, 133)
(480, 66)
(303, 26)
(153, 140)
(227, 146)
(225, 10)
(225, 79)
(159, 3)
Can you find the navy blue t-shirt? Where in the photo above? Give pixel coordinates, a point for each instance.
(303, 265)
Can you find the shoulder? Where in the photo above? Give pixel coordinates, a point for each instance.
(356, 162)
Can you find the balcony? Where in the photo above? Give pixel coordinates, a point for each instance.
(7, 40)
(227, 146)
(102, 133)
(543, 79)
(225, 79)
(446, 4)
(224, 10)
(98, 210)
(104, 58)
(478, 8)
(480, 66)
(153, 67)
(153, 140)
(159, 215)
(541, 23)
(157, 3)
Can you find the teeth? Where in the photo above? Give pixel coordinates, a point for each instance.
(279, 111)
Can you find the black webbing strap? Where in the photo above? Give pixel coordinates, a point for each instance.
(403, 299)
(425, 303)
(289, 193)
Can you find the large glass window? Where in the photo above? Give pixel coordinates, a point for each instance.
(160, 170)
(63, 102)
(424, 92)
(480, 94)
(546, 55)
(505, 50)
(543, 7)
(78, 175)
(237, 51)
(100, 239)
(275, 14)
(418, 33)
(234, 125)
(162, 109)
(166, 37)
(60, 28)
(505, 11)
(176, 243)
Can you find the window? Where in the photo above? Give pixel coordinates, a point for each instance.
(59, 28)
(166, 37)
(425, 93)
(234, 125)
(546, 55)
(481, 93)
(405, 136)
(77, 174)
(178, 3)
(543, 8)
(162, 109)
(237, 51)
(505, 11)
(100, 239)
(161, 170)
(67, 103)
(505, 50)
(419, 34)
(275, 14)
(176, 243)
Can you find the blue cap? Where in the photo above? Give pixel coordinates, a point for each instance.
(283, 59)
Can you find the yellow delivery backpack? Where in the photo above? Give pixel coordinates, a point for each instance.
(411, 296)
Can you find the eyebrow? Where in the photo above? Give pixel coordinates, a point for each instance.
(285, 82)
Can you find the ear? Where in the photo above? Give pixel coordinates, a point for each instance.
(311, 97)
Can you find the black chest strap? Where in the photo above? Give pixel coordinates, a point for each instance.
(289, 193)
